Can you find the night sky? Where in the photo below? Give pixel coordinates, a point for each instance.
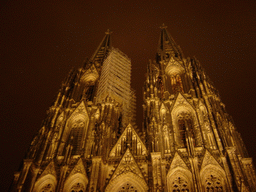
(42, 40)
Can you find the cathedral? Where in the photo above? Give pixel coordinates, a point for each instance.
(89, 141)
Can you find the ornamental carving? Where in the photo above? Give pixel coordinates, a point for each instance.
(79, 168)
(180, 184)
(127, 187)
(128, 139)
(208, 159)
(127, 164)
(178, 162)
(50, 169)
(78, 187)
(213, 184)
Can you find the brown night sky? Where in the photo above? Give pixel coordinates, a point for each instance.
(42, 40)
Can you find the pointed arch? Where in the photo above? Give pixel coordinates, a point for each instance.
(212, 174)
(76, 129)
(76, 182)
(185, 122)
(127, 179)
(179, 179)
(90, 76)
(174, 67)
(129, 136)
(213, 178)
(46, 183)
(179, 176)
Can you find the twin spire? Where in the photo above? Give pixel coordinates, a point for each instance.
(103, 48)
(166, 47)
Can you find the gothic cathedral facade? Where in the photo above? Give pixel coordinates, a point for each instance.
(89, 141)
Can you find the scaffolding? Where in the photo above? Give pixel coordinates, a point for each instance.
(115, 82)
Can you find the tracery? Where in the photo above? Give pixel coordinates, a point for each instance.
(78, 187)
(127, 188)
(185, 128)
(180, 184)
(76, 133)
(213, 184)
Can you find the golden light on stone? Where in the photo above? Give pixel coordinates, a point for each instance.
(174, 68)
(90, 142)
(90, 78)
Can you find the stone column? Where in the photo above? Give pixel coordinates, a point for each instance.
(96, 163)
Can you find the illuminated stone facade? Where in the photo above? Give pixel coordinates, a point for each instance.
(89, 141)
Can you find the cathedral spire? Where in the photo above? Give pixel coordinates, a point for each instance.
(103, 48)
(88, 141)
(167, 47)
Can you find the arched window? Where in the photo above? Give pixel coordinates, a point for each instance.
(176, 83)
(134, 144)
(213, 184)
(186, 129)
(182, 131)
(180, 184)
(78, 187)
(190, 126)
(77, 133)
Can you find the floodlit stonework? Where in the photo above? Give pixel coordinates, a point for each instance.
(89, 142)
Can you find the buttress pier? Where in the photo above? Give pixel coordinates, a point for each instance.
(89, 141)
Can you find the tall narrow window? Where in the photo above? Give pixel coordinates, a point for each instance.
(77, 133)
(190, 127)
(176, 84)
(182, 130)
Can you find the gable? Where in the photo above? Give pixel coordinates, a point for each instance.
(174, 67)
(139, 145)
(209, 160)
(79, 118)
(77, 179)
(178, 162)
(127, 164)
(181, 104)
(79, 168)
(50, 169)
(80, 110)
(90, 76)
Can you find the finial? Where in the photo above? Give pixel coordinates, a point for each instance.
(163, 26)
(108, 32)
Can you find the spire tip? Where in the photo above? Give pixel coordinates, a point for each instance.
(108, 32)
(163, 26)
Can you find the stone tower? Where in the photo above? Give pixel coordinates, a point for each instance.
(89, 141)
